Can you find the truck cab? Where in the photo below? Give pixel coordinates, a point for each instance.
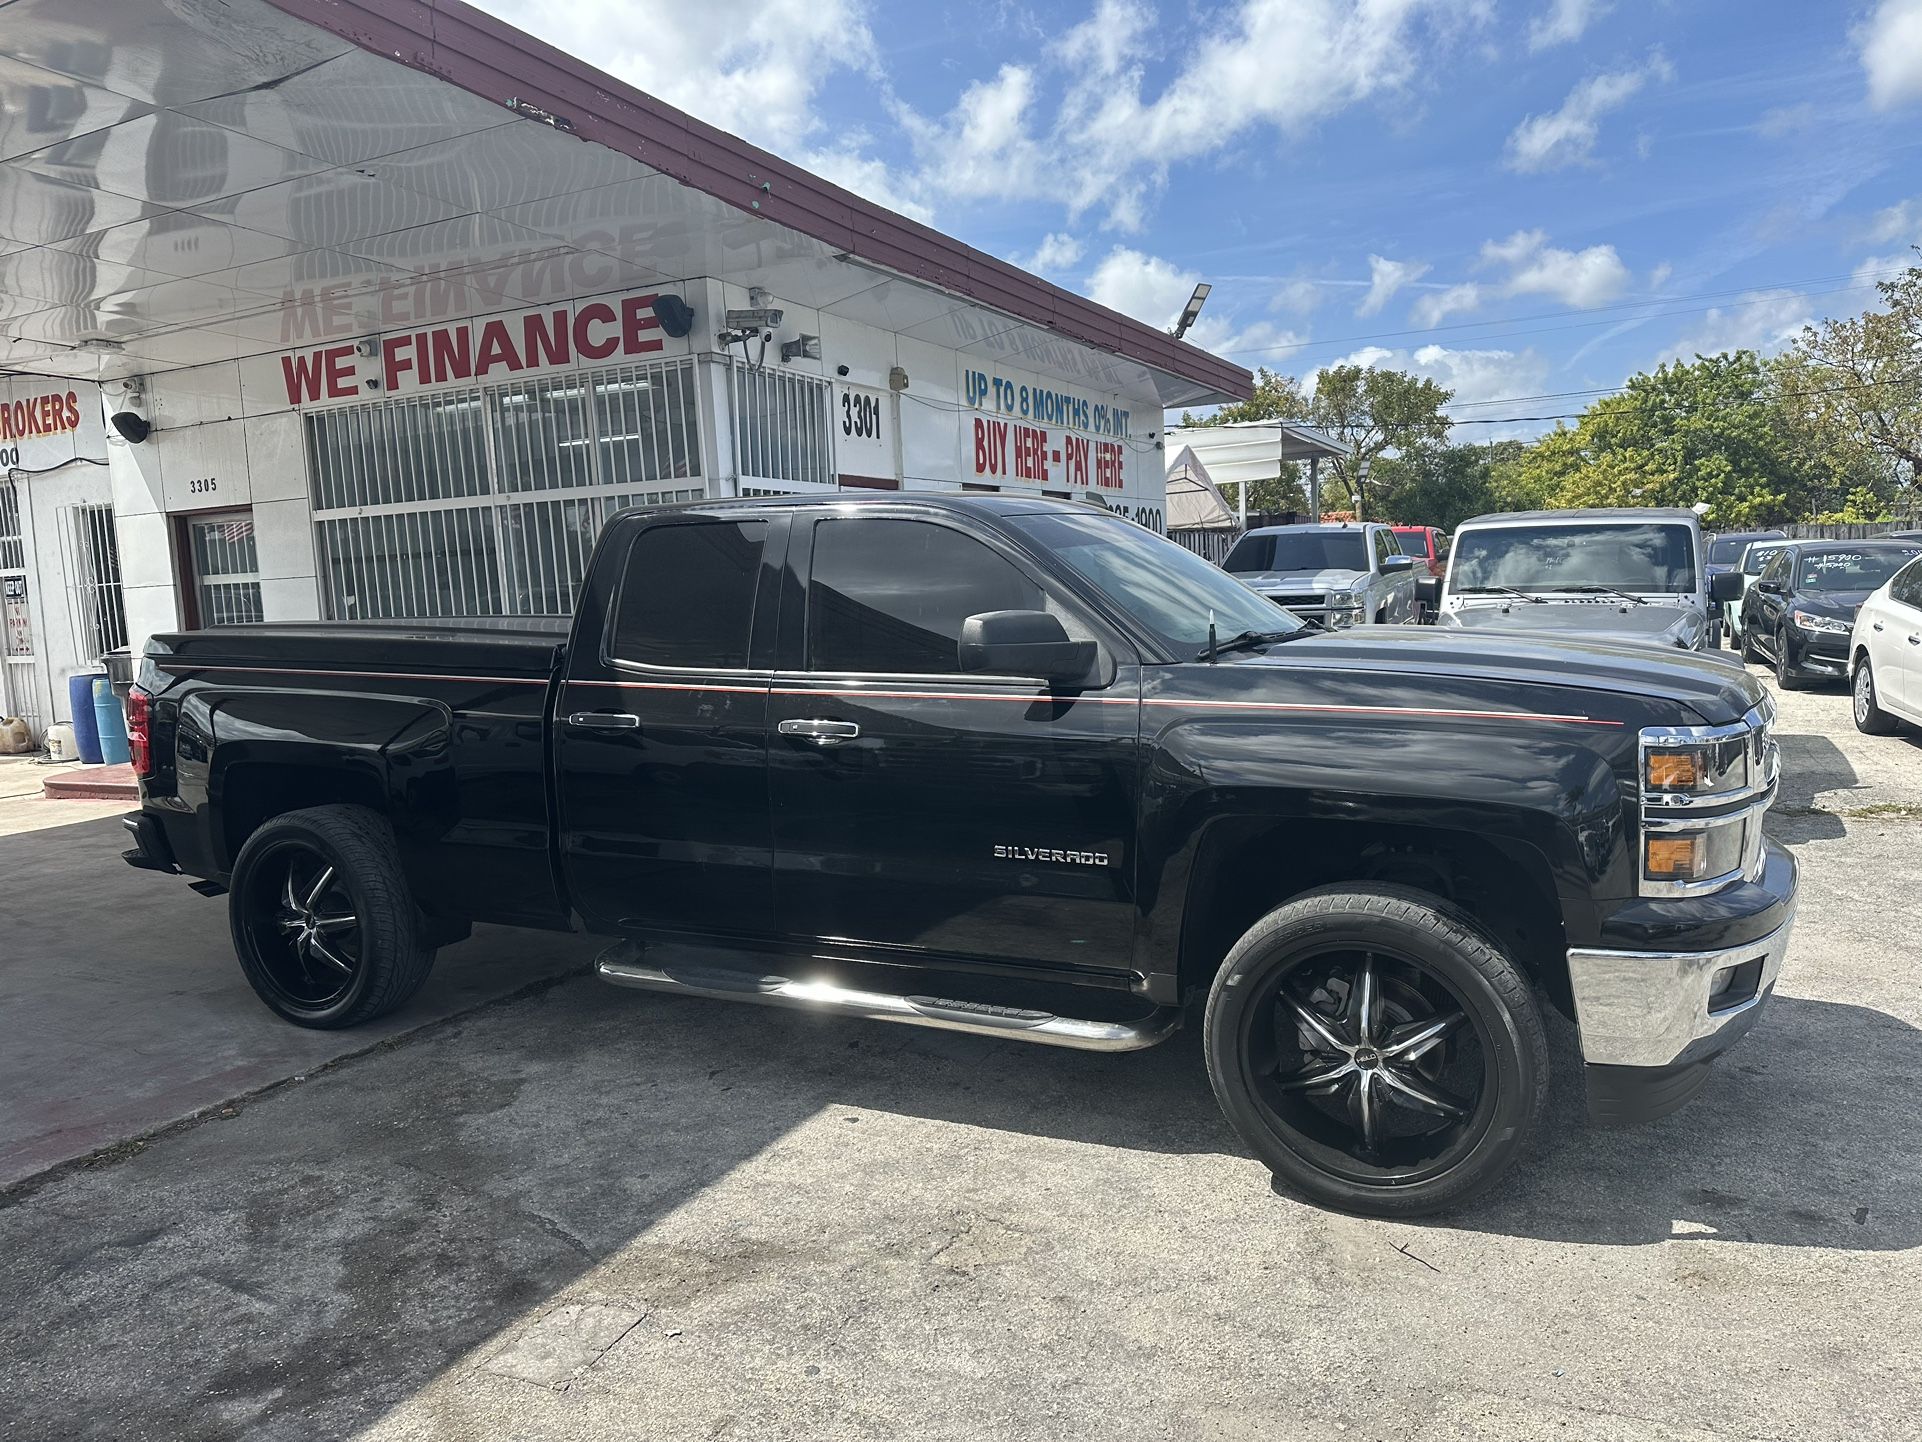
(1632, 575)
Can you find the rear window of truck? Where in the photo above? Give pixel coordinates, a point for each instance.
(687, 595)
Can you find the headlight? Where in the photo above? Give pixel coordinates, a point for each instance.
(1704, 790)
(1807, 621)
(1344, 609)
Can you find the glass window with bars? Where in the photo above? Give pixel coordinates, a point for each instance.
(487, 501)
(780, 429)
(93, 571)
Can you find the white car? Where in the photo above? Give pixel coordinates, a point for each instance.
(1753, 559)
(1885, 652)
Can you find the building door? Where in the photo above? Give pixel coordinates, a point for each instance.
(223, 569)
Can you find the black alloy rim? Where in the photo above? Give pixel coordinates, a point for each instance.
(1369, 1064)
(305, 929)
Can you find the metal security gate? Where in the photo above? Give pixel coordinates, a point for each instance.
(96, 606)
(487, 501)
(19, 669)
(780, 431)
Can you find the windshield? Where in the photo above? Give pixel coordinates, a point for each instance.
(1727, 550)
(1168, 590)
(1851, 570)
(1647, 557)
(1299, 551)
(1413, 541)
(1758, 556)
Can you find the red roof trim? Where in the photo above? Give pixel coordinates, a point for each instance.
(492, 59)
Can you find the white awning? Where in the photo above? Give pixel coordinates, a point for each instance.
(1193, 501)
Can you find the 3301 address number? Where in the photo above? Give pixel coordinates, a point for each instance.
(860, 416)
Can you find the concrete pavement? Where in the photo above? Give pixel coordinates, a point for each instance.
(590, 1213)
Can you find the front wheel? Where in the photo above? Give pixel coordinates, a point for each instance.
(1377, 1050)
(323, 921)
(1870, 718)
(1784, 677)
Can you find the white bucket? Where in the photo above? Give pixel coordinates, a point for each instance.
(60, 743)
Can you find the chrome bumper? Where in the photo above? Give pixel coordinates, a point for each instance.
(1652, 1008)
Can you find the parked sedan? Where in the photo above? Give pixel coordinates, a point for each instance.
(1754, 559)
(1800, 612)
(1886, 652)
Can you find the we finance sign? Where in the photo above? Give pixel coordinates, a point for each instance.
(1022, 428)
(485, 349)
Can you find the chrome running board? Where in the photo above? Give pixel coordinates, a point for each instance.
(619, 965)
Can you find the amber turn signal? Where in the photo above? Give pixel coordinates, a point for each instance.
(1673, 770)
(1673, 857)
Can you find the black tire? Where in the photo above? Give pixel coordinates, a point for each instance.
(1419, 951)
(1870, 718)
(323, 922)
(1784, 678)
(1750, 655)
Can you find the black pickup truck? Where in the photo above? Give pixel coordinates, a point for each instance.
(1015, 767)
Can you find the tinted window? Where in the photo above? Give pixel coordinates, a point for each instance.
(1648, 557)
(1908, 585)
(687, 598)
(1384, 546)
(1848, 570)
(1299, 551)
(1777, 567)
(890, 595)
(1413, 542)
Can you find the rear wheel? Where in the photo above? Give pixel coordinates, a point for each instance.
(1870, 718)
(1377, 1050)
(323, 922)
(1749, 654)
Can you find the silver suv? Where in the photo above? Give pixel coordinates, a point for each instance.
(1340, 574)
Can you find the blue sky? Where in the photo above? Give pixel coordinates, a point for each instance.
(1522, 198)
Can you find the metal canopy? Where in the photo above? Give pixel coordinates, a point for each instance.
(1254, 450)
(178, 180)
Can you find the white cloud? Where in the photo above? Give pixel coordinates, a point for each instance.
(1567, 136)
(1144, 286)
(1900, 223)
(867, 177)
(1108, 140)
(1562, 22)
(1436, 306)
(1785, 120)
(1891, 50)
(1659, 277)
(1058, 250)
(1300, 295)
(1385, 277)
(1762, 320)
(753, 67)
(1580, 279)
(1475, 376)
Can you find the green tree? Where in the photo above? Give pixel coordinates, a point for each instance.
(1442, 485)
(1854, 389)
(1709, 430)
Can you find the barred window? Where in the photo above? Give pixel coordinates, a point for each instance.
(488, 500)
(780, 427)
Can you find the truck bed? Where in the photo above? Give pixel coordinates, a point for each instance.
(523, 647)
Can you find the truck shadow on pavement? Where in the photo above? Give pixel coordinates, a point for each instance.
(321, 1256)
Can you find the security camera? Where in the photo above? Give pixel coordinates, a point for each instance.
(755, 317)
(840, 370)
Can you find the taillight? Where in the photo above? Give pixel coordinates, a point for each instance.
(139, 744)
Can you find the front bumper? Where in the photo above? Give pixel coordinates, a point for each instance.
(1820, 655)
(1652, 1020)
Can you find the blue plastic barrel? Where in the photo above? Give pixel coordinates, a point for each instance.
(86, 730)
(112, 722)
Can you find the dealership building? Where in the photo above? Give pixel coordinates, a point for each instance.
(360, 309)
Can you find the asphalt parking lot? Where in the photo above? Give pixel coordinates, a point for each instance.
(532, 1206)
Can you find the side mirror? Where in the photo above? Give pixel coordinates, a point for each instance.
(1774, 588)
(1725, 587)
(1428, 591)
(1024, 643)
(1395, 565)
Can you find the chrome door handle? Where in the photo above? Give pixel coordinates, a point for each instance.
(1875, 625)
(820, 732)
(1915, 640)
(604, 721)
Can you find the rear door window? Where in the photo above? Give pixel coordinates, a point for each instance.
(687, 595)
(889, 595)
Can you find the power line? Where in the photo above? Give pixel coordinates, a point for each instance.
(1784, 289)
